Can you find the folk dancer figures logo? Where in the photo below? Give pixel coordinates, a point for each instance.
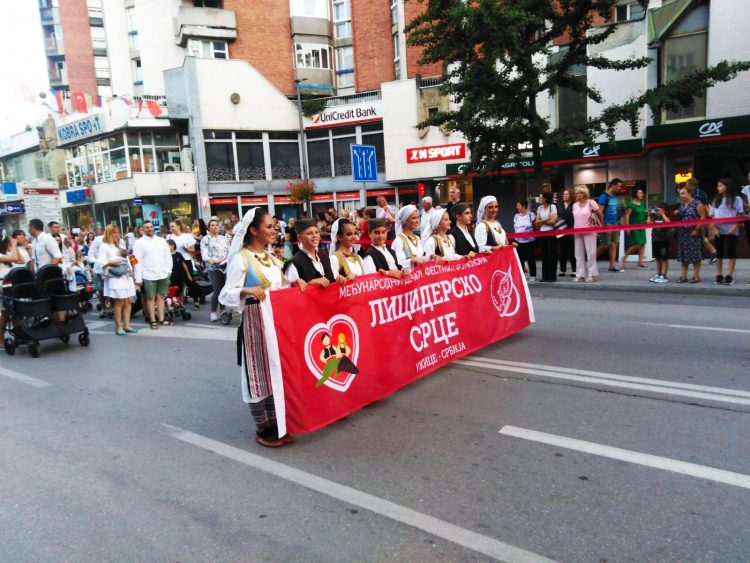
(332, 351)
(504, 293)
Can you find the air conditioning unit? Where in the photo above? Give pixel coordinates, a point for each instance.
(172, 167)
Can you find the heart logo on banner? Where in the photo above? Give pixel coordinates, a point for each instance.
(332, 351)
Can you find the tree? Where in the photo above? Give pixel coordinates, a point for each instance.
(496, 55)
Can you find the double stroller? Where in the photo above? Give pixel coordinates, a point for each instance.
(41, 309)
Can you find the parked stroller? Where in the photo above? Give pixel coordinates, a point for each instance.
(85, 289)
(174, 304)
(41, 309)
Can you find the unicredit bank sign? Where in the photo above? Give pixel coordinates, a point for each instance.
(344, 115)
(436, 152)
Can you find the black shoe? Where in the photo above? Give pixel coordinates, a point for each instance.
(713, 259)
(728, 280)
(616, 270)
(720, 280)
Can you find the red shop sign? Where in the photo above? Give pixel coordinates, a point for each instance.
(436, 152)
(255, 199)
(223, 201)
(347, 195)
(377, 193)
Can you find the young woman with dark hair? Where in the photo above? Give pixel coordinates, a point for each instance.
(726, 204)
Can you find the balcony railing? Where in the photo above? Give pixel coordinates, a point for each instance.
(430, 82)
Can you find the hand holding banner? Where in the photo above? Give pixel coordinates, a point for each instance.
(338, 349)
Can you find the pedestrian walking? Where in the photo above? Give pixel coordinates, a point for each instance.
(251, 274)
(118, 278)
(565, 220)
(215, 250)
(45, 249)
(523, 222)
(153, 268)
(546, 217)
(636, 213)
(612, 210)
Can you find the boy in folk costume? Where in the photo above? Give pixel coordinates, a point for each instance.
(307, 264)
(407, 245)
(380, 257)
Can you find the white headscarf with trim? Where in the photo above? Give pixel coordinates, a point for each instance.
(431, 222)
(334, 234)
(239, 233)
(482, 204)
(403, 214)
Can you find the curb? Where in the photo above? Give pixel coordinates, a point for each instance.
(667, 289)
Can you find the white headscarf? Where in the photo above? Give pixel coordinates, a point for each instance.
(239, 233)
(403, 214)
(482, 204)
(431, 222)
(334, 234)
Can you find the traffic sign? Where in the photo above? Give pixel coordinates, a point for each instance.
(364, 163)
(137, 202)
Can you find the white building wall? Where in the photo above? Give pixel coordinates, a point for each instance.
(261, 107)
(115, 26)
(400, 117)
(728, 39)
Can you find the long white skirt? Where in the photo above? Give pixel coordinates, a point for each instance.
(119, 288)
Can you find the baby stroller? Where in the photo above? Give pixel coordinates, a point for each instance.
(85, 289)
(174, 304)
(40, 309)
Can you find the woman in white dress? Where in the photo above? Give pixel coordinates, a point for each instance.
(489, 233)
(251, 274)
(120, 289)
(407, 245)
(437, 243)
(345, 261)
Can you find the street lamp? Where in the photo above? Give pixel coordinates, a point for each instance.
(305, 171)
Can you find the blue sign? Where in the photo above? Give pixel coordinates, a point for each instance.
(11, 209)
(10, 188)
(81, 195)
(364, 163)
(137, 201)
(81, 129)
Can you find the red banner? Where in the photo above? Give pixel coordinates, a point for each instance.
(333, 351)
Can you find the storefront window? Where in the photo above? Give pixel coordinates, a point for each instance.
(342, 155)
(220, 162)
(119, 164)
(285, 160)
(319, 158)
(136, 164)
(250, 161)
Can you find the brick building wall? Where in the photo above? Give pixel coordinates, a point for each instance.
(79, 53)
(264, 39)
(373, 43)
(413, 54)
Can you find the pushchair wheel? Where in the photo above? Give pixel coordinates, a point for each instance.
(226, 318)
(34, 349)
(186, 316)
(83, 338)
(88, 307)
(10, 346)
(65, 338)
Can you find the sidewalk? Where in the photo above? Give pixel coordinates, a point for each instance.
(636, 279)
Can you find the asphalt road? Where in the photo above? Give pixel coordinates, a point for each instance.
(139, 448)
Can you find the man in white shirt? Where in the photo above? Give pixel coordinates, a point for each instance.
(152, 270)
(388, 214)
(426, 209)
(44, 247)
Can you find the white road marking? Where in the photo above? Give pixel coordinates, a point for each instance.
(717, 394)
(692, 327)
(648, 460)
(460, 536)
(177, 331)
(23, 378)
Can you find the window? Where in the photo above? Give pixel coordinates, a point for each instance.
(629, 11)
(309, 8)
(342, 19)
(101, 68)
(220, 162)
(98, 39)
(342, 155)
(377, 140)
(319, 157)
(344, 67)
(207, 3)
(130, 15)
(137, 71)
(250, 161)
(95, 8)
(312, 55)
(686, 50)
(133, 40)
(394, 12)
(572, 106)
(284, 160)
(396, 57)
(207, 49)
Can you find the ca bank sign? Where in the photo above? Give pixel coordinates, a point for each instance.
(81, 129)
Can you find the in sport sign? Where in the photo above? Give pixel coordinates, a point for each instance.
(81, 129)
(437, 152)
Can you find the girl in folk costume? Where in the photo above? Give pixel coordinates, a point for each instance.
(407, 245)
(307, 264)
(438, 244)
(465, 243)
(380, 257)
(489, 234)
(344, 261)
(251, 273)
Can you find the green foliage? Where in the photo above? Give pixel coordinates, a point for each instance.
(499, 64)
(311, 106)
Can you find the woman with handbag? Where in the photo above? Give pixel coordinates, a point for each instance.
(546, 217)
(118, 278)
(214, 251)
(586, 213)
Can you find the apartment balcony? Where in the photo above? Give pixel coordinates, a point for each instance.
(57, 79)
(302, 25)
(204, 23)
(49, 15)
(52, 48)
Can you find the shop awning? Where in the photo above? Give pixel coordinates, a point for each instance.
(661, 20)
(693, 132)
